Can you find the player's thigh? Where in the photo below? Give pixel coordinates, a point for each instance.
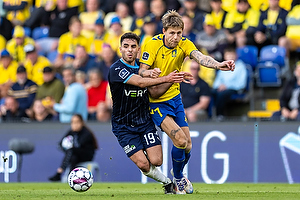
(175, 133)
(141, 161)
(155, 155)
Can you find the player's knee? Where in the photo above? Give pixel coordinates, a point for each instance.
(156, 162)
(188, 147)
(181, 142)
(143, 166)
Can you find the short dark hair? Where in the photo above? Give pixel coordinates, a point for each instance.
(130, 35)
(230, 49)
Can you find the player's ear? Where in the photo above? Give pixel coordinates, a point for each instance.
(163, 30)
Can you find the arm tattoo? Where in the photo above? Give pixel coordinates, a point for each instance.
(206, 61)
(173, 132)
(142, 73)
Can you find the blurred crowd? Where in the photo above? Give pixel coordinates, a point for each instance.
(55, 54)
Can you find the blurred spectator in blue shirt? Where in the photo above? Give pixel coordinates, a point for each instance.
(228, 83)
(74, 100)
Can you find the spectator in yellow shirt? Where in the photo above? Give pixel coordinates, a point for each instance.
(8, 68)
(112, 37)
(15, 46)
(291, 40)
(18, 11)
(240, 24)
(122, 11)
(217, 13)
(35, 64)
(89, 17)
(98, 39)
(2, 43)
(68, 42)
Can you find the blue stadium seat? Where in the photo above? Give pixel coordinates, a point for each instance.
(40, 32)
(52, 56)
(268, 74)
(273, 53)
(247, 93)
(27, 31)
(248, 54)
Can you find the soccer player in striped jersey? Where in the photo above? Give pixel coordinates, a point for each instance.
(131, 121)
(162, 55)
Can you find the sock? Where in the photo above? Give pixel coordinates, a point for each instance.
(187, 158)
(157, 175)
(178, 158)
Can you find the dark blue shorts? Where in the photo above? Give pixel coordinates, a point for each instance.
(135, 138)
(172, 107)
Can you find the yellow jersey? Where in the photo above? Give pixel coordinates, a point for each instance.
(234, 18)
(9, 74)
(90, 19)
(114, 41)
(17, 51)
(20, 15)
(67, 43)
(35, 72)
(157, 55)
(2, 43)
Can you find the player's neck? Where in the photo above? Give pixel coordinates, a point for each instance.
(129, 63)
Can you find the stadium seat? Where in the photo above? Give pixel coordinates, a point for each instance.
(247, 93)
(268, 74)
(273, 53)
(52, 56)
(248, 54)
(40, 32)
(27, 31)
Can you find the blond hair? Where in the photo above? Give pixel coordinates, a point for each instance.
(172, 19)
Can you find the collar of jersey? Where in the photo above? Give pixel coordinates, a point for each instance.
(135, 65)
(165, 44)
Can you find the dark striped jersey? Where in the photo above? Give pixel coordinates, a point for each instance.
(130, 103)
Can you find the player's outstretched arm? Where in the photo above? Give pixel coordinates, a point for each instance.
(157, 90)
(139, 81)
(209, 62)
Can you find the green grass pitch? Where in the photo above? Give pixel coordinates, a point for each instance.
(149, 191)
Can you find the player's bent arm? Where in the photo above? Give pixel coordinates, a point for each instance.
(144, 71)
(139, 81)
(204, 60)
(156, 91)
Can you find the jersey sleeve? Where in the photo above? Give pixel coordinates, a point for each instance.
(188, 47)
(148, 55)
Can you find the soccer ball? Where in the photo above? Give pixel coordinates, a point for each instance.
(80, 179)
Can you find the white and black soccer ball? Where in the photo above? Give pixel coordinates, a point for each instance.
(80, 179)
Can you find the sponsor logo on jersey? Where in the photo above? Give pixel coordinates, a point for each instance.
(174, 53)
(123, 73)
(145, 56)
(128, 148)
(135, 93)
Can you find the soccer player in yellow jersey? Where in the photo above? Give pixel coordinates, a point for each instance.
(162, 55)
